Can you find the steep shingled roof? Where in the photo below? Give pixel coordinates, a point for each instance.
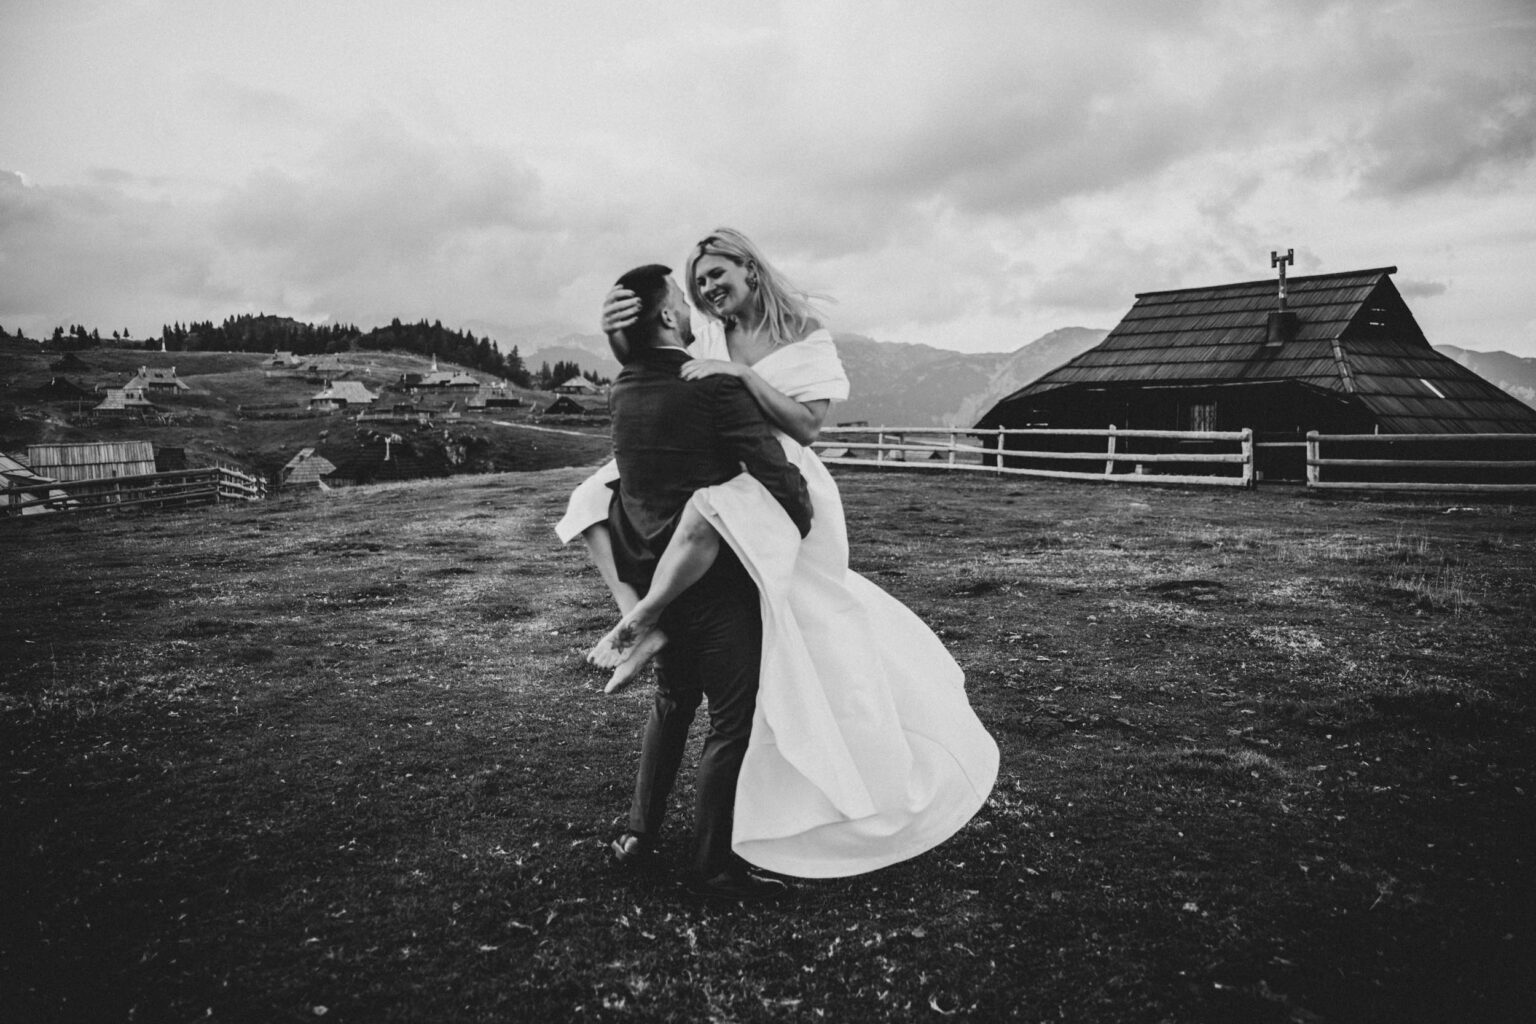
(1355, 337)
(124, 399)
(306, 468)
(352, 392)
(157, 377)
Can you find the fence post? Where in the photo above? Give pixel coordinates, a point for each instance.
(1109, 463)
(999, 451)
(1313, 447)
(1247, 444)
(879, 451)
(952, 435)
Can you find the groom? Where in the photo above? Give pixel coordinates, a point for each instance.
(672, 437)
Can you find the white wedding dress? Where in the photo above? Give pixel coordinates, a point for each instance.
(864, 750)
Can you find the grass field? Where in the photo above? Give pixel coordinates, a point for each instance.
(1266, 757)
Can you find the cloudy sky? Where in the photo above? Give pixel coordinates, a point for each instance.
(965, 174)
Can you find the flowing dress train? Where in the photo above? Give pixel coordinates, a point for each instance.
(864, 750)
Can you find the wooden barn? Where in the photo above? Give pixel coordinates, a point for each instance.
(578, 405)
(1335, 353)
(157, 380)
(305, 468)
(60, 388)
(380, 457)
(19, 484)
(125, 404)
(577, 385)
(343, 394)
(495, 403)
(97, 460)
(322, 369)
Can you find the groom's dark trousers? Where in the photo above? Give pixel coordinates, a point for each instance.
(672, 437)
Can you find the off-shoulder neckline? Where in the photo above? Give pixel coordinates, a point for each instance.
(809, 337)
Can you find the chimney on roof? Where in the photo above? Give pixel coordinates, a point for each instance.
(1282, 322)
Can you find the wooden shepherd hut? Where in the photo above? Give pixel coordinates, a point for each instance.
(1334, 353)
(125, 404)
(577, 385)
(578, 405)
(343, 394)
(157, 380)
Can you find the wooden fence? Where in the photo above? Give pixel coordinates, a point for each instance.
(1126, 456)
(1423, 462)
(175, 489)
(1387, 462)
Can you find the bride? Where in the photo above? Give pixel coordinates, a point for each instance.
(864, 749)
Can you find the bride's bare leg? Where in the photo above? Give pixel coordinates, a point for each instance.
(688, 556)
(600, 549)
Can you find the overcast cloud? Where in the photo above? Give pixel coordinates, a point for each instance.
(969, 175)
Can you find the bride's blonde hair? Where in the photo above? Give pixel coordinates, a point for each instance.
(788, 312)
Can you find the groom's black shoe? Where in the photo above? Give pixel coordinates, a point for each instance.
(738, 885)
(632, 850)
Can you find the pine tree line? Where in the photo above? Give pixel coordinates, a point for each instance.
(247, 333)
(265, 333)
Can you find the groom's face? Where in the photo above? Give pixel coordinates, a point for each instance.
(677, 303)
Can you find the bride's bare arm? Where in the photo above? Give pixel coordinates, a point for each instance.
(621, 307)
(800, 420)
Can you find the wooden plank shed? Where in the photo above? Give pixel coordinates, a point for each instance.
(96, 460)
(1345, 357)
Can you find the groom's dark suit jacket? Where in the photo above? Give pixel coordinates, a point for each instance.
(672, 437)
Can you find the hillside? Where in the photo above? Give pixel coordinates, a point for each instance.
(907, 385)
(1515, 374)
(237, 412)
(589, 351)
(1033, 360)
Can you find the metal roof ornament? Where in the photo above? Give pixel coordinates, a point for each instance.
(1282, 322)
(1276, 260)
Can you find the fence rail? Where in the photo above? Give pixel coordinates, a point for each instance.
(1122, 453)
(1493, 463)
(1398, 462)
(174, 489)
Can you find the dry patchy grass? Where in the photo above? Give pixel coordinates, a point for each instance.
(1266, 757)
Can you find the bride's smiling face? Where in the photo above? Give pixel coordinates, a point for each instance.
(722, 284)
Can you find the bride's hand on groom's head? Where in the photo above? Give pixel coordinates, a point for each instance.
(621, 307)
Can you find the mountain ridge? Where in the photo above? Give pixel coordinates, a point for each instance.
(1514, 374)
(917, 385)
(892, 383)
